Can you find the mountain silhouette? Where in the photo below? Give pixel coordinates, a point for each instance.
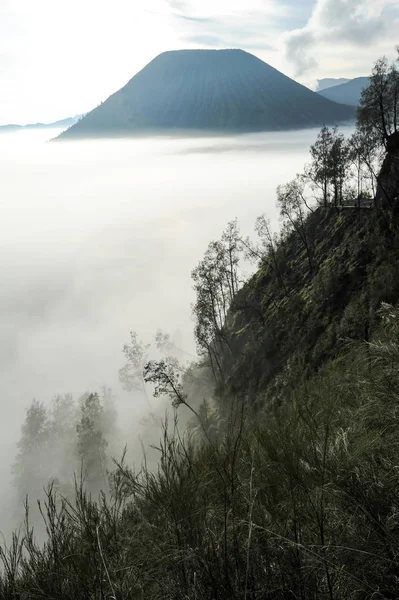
(208, 91)
(347, 93)
(323, 84)
(62, 123)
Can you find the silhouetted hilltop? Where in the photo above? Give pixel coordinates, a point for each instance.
(208, 90)
(346, 93)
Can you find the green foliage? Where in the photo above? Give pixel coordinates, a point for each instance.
(379, 104)
(329, 168)
(300, 502)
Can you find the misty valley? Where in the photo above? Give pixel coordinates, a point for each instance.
(200, 337)
(99, 238)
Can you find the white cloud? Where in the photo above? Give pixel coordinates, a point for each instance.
(253, 25)
(61, 58)
(343, 36)
(226, 8)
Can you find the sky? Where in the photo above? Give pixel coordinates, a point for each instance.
(59, 59)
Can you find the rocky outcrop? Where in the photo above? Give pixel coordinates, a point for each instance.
(388, 180)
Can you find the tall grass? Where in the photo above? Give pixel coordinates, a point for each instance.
(300, 503)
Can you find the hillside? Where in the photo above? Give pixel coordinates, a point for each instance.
(205, 91)
(297, 322)
(303, 496)
(347, 93)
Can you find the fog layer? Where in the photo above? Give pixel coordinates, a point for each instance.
(98, 238)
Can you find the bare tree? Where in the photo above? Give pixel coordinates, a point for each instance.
(293, 210)
(379, 104)
(216, 283)
(366, 155)
(265, 250)
(131, 374)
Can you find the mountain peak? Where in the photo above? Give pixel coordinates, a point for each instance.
(346, 93)
(208, 91)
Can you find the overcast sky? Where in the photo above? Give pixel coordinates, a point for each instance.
(60, 58)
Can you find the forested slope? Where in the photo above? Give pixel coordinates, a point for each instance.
(295, 315)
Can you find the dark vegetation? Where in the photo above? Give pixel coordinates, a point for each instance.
(286, 482)
(208, 91)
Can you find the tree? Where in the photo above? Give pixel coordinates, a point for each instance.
(131, 375)
(378, 112)
(30, 469)
(62, 431)
(170, 380)
(109, 415)
(164, 343)
(339, 164)
(328, 170)
(168, 345)
(264, 251)
(92, 444)
(165, 375)
(366, 157)
(62, 415)
(293, 210)
(216, 283)
(319, 172)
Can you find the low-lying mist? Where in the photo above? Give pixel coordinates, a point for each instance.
(99, 238)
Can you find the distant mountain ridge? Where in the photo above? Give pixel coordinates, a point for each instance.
(57, 124)
(208, 91)
(323, 84)
(347, 93)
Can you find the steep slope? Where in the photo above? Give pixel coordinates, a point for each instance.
(346, 93)
(208, 90)
(299, 495)
(290, 320)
